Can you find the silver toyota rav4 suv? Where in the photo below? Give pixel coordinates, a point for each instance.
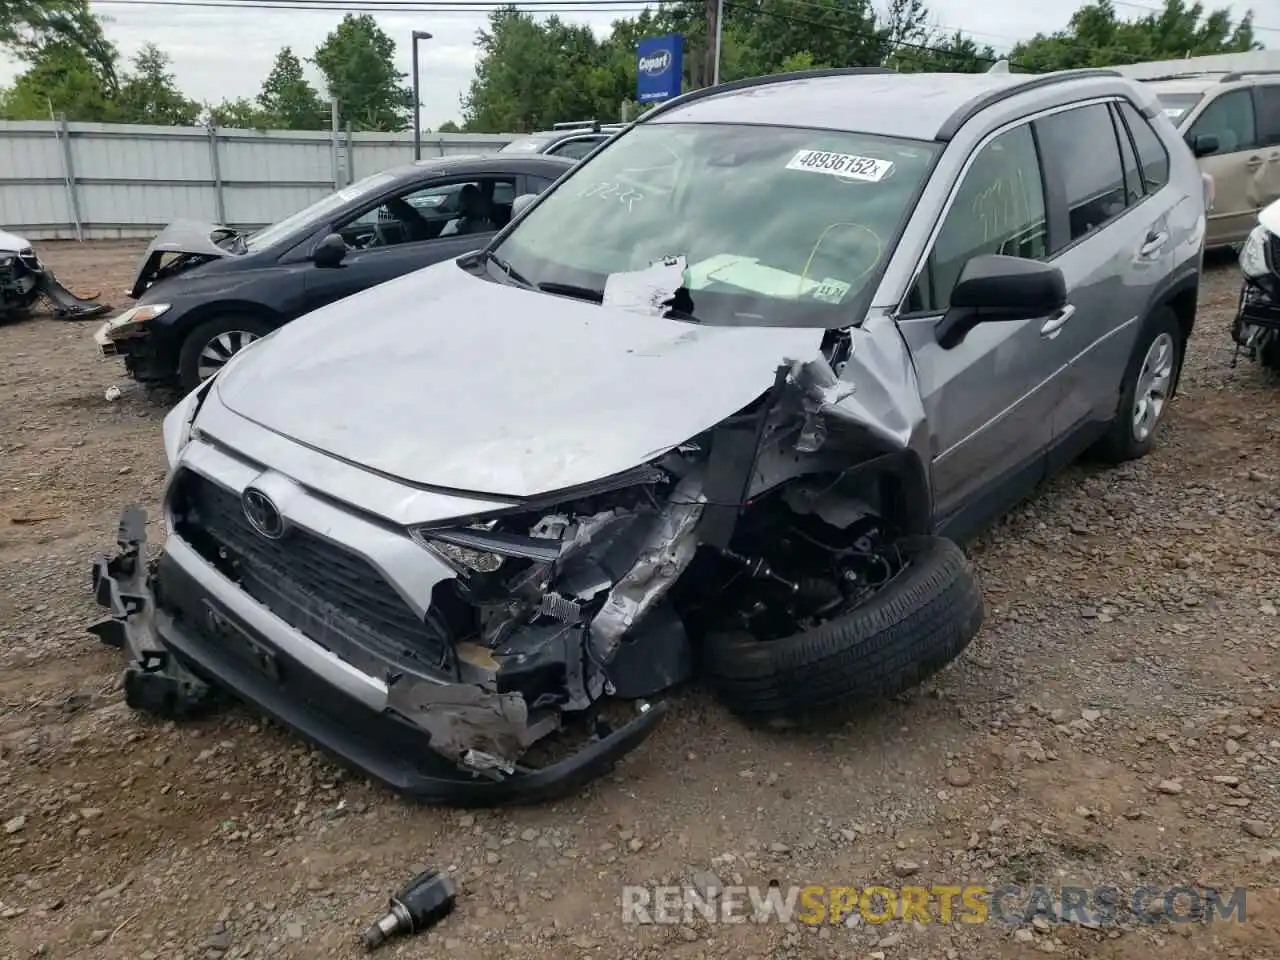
(720, 403)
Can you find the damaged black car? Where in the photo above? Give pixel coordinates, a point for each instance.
(203, 291)
(695, 414)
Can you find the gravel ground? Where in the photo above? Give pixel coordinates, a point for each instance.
(1117, 722)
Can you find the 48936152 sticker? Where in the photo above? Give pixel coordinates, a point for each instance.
(846, 165)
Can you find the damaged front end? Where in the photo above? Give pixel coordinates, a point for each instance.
(25, 280)
(547, 612)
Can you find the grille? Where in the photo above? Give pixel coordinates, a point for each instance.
(331, 595)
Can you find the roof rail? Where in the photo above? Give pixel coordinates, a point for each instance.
(748, 82)
(1183, 75)
(1241, 74)
(577, 125)
(1033, 81)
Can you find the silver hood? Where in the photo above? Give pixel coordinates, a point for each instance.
(445, 379)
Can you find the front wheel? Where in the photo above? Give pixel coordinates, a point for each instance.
(209, 346)
(907, 631)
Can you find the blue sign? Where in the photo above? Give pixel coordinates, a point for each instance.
(659, 68)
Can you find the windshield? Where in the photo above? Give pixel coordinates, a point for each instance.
(525, 145)
(1177, 105)
(318, 211)
(772, 226)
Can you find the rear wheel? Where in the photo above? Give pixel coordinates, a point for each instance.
(209, 346)
(1147, 389)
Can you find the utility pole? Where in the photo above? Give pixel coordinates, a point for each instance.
(711, 53)
(719, 20)
(417, 97)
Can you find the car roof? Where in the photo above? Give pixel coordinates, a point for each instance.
(920, 106)
(479, 163)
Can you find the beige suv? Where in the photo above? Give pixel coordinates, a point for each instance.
(1231, 121)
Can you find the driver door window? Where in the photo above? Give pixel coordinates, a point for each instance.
(1229, 118)
(999, 208)
(421, 213)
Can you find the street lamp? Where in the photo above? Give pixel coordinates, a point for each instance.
(417, 99)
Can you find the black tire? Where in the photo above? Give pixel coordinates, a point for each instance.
(1270, 354)
(1119, 443)
(906, 633)
(206, 333)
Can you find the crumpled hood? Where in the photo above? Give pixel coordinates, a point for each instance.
(445, 379)
(181, 236)
(12, 243)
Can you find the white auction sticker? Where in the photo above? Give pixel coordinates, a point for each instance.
(1173, 113)
(841, 165)
(830, 290)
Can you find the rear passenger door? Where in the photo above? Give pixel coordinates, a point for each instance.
(1110, 237)
(989, 399)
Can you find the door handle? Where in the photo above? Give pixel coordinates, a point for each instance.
(1153, 243)
(1059, 320)
(1253, 163)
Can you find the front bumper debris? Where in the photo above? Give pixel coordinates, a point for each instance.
(179, 662)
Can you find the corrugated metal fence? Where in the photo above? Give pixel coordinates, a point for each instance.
(97, 181)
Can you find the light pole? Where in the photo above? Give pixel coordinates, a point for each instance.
(417, 98)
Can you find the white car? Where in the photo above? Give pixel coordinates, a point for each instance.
(24, 280)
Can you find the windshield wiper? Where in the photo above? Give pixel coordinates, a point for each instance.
(573, 290)
(506, 268)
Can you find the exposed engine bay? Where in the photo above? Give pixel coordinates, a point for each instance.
(25, 280)
(751, 526)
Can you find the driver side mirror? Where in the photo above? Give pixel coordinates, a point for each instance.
(519, 203)
(995, 287)
(1204, 144)
(330, 251)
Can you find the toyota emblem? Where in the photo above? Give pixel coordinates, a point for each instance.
(263, 515)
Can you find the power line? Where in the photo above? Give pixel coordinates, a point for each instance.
(385, 6)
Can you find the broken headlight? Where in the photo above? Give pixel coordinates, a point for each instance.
(483, 548)
(133, 322)
(1254, 260)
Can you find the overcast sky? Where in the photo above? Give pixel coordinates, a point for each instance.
(223, 54)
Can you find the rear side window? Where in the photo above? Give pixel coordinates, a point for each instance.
(999, 208)
(1268, 99)
(1132, 174)
(1084, 141)
(1230, 119)
(1152, 155)
(576, 149)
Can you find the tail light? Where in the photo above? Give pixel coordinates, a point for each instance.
(1207, 181)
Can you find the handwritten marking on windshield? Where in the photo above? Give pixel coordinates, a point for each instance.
(609, 190)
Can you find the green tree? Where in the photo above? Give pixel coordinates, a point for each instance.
(60, 78)
(240, 114)
(36, 31)
(449, 127)
(358, 63)
(1097, 37)
(288, 99)
(149, 94)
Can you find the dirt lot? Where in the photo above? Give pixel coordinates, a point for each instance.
(1117, 722)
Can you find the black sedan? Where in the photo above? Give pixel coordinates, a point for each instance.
(204, 291)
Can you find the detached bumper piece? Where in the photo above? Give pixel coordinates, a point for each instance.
(180, 656)
(1257, 309)
(154, 681)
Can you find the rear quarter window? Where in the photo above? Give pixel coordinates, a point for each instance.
(1153, 158)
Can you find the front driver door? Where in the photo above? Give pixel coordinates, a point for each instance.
(989, 399)
(1238, 166)
(405, 231)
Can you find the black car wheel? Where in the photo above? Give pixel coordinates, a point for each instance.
(913, 626)
(209, 346)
